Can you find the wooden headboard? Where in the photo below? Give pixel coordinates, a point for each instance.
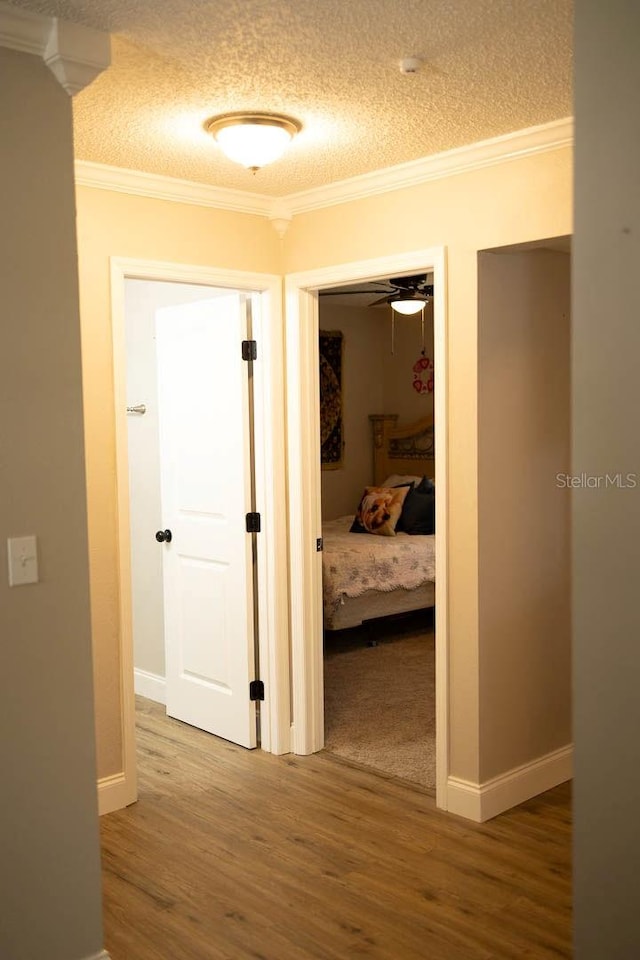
(405, 450)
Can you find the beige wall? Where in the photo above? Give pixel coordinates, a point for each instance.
(517, 201)
(50, 871)
(606, 520)
(524, 435)
(113, 224)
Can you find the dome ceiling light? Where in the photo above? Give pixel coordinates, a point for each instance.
(407, 302)
(253, 139)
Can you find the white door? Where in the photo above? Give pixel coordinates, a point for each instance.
(203, 400)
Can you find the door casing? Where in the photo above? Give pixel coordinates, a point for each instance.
(269, 450)
(305, 521)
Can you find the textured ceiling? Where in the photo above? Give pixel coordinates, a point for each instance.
(490, 67)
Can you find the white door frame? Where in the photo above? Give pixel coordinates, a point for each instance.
(305, 522)
(268, 386)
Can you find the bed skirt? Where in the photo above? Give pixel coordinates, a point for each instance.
(374, 604)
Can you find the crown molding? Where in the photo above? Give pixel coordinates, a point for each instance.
(475, 156)
(280, 216)
(75, 54)
(23, 31)
(158, 187)
(280, 210)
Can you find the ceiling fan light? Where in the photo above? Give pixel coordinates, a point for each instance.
(253, 140)
(407, 305)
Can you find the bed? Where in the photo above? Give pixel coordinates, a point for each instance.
(364, 576)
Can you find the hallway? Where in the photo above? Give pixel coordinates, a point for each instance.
(231, 854)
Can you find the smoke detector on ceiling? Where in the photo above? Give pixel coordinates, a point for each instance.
(410, 64)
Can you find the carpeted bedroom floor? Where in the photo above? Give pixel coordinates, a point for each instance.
(380, 700)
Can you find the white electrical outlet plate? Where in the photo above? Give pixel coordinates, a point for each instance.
(23, 561)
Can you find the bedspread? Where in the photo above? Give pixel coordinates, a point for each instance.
(356, 562)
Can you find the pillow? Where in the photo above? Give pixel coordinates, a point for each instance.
(379, 510)
(395, 480)
(419, 509)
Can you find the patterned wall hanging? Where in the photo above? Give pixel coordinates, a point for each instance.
(423, 375)
(331, 422)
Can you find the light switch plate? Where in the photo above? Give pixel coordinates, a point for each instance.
(23, 561)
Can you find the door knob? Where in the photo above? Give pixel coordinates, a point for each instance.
(164, 536)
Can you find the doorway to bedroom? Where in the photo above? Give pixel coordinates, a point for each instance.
(304, 292)
(377, 447)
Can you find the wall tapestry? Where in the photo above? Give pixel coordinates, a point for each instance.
(331, 423)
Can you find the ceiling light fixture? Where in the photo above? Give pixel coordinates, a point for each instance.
(408, 303)
(253, 139)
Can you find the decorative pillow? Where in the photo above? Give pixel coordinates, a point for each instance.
(379, 510)
(395, 480)
(419, 509)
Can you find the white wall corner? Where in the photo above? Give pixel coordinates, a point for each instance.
(280, 217)
(76, 54)
(483, 801)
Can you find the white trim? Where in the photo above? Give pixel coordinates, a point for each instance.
(475, 156)
(123, 556)
(305, 520)
(441, 417)
(270, 487)
(103, 955)
(114, 793)
(149, 685)
(136, 183)
(483, 801)
(22, 30)
(271, 499)
(75, 54)
(304, 491)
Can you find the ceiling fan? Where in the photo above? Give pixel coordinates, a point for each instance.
(404, 294)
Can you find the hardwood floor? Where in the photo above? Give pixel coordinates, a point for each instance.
(231, 854)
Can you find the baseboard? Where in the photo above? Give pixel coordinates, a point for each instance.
(150, 685)
(119, 790)
(114, 793)
(482, 801)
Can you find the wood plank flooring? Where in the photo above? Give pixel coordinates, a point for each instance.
(233, 854)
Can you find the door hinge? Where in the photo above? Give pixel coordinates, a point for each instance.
(256, 690)
(253, 523)
(249, 350)
(319, 545)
